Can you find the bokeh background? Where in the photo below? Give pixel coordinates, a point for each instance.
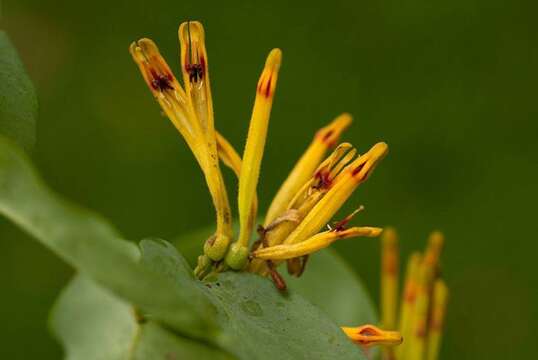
(450, 85)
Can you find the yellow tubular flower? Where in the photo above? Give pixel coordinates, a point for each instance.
(389, 278)
(408, 301)
(344, 185)
(370, 335)
(252, 156)
(440, 298)
(419, 323)
(178, 106)
(305, 199)
(313, 244)
(194, 67)
(304, 168)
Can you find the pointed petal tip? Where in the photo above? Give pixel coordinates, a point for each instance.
(379, 150)
(437, 238)
(344, 119)
(274, 59)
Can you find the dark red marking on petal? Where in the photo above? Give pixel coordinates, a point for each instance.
(323, 179)
(328, 135)
(357, 170)
(161, 82)
(196, 71)
(202, 62)
(268, 87)
(367, 332)
(264, 87)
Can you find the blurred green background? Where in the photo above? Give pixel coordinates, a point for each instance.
(450, 86)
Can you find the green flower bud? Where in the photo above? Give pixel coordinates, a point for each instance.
(237, 256)
(215, 247)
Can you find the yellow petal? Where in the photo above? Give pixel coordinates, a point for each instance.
(307, 164)
(313, 244)
(255, 144)
(344, 185)
(370, 335)
(179, 108)
(194, 67)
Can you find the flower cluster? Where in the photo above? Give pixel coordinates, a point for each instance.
(316, 188)
(311, 195)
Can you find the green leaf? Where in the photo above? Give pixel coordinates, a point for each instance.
(261, 323)
(18, 103)
(91, 245)
(157, 343)
(93, 324)
(256, 320)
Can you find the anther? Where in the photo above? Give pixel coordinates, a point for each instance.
(341, 225)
